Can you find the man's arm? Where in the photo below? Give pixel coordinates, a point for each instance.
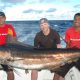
(68, 44)
(36, 41)
(59, 46)
(57, 38)
(67, 39)
(11, 37)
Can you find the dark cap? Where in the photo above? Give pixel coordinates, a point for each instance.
(43, 20)
(77, 14)
(2, 14)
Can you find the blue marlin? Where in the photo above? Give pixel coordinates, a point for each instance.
(27, 57)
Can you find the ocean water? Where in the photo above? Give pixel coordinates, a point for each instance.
(26, 31)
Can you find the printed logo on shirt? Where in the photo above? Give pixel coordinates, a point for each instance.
(75, 39)
(4, 34)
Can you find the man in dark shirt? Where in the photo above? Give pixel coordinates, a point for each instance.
(47, 38)
(47, 41)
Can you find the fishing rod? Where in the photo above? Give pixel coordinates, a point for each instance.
(63, 39)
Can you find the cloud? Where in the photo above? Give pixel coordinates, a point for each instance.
(39, 11)
(12, 1)
(4, 4)
(36, 9)
(51, 1)
(51, 10)
(32, 11)
(66, 1)
(77, 6)
(45, 1)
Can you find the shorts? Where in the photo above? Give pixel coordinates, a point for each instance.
(6, 68)
(62, 71)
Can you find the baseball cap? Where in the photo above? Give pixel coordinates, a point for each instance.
(2, 14)
(43, 20)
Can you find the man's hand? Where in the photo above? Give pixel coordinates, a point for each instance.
(10, 32)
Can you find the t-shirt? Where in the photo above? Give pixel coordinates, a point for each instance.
(4, 33)
(73, 36)
(49, 41)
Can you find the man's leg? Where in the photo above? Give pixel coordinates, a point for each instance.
(63, 71)
(57, 77)
(34, 75)
(10, 74)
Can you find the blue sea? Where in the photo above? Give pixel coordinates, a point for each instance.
(26, 30)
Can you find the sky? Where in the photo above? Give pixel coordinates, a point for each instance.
(37, 9)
